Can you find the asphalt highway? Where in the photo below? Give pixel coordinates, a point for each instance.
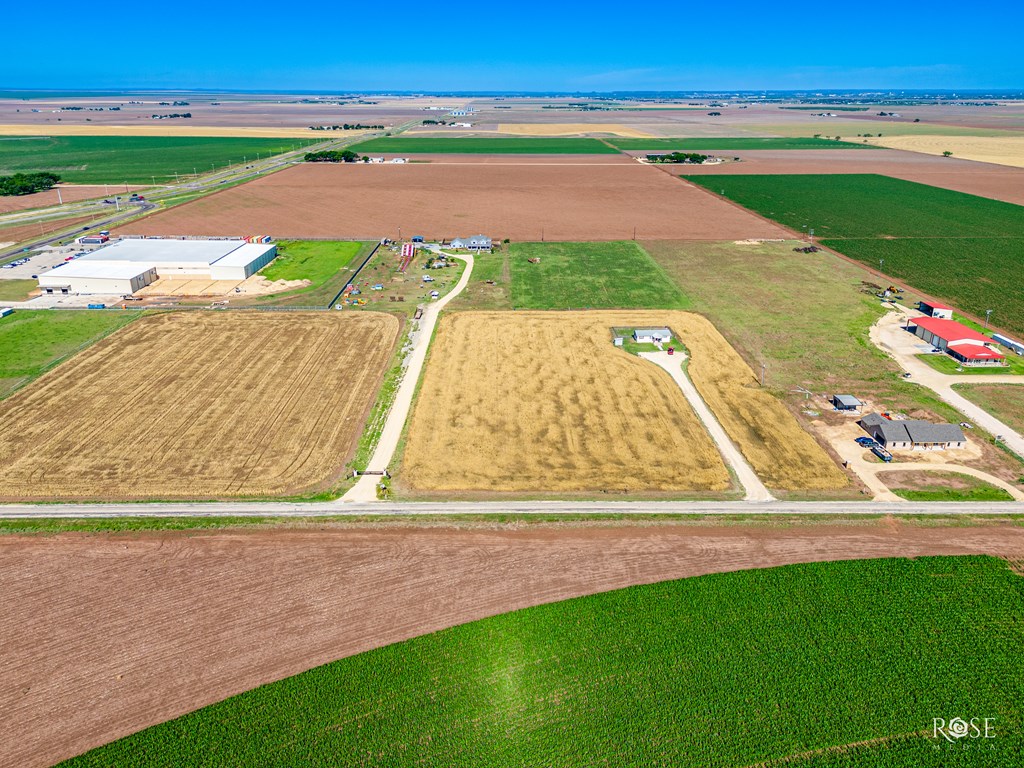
(339, 508)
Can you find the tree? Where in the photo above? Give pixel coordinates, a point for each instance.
(947, 153)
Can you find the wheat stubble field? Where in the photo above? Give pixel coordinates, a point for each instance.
(542, 401)
(530, 401)
(198, 405)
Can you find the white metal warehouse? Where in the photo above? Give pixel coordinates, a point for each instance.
(141, 261)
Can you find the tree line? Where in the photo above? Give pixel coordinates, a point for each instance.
(332, 156)
(27, 183)
(692, 158)
(347, 127)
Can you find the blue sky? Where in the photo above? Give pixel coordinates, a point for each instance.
(525, 45)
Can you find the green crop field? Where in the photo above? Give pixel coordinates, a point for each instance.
(419, 145)
(589, 276)
(842, 663)
(737, 143)
(32, 341)
(130, 159)
(965, 249)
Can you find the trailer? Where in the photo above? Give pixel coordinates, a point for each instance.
(881, 453)
(1009, 343)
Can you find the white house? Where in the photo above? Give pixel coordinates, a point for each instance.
(652, 335)
(474, 243)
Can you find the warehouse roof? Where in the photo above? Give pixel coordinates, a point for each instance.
(949, 330)
(103, 269)
(244, 255)
(159, 249)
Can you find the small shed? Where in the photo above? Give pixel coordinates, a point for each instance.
(618, 341)
(846, 403)
(652, 335)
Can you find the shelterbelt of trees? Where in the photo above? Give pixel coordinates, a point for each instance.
(27, 183)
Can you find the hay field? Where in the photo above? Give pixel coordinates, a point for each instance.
(1001, 150)
(198, 405)
(541, 401)
(784, 456)
(568, 411)
(570, 129)
(162, 128)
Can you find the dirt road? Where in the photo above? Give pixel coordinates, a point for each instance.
(107, 634)
(365, 488)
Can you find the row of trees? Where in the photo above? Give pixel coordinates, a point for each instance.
(347, 127)
(27, 183)
(692, 158)
(332, 156)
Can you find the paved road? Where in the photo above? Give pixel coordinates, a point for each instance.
(753, 487)
(365, 488)
(889, 335)
(339, 508)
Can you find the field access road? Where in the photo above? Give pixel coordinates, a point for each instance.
(281, 509)
(365, 488)
(754, 489)
(890, 335)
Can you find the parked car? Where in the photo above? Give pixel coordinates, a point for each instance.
(867, 442)
(965, 425)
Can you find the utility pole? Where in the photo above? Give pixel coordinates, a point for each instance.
(880, 263)
(634, 232)
(762, 374)
(175, 177)
(988, 314)
(60, 200)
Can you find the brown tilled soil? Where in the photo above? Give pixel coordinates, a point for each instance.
(536, 201)
(106, 634)
(30, 231)
(984, 179)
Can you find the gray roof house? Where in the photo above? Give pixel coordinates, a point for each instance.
(913, 434)
(474, 243)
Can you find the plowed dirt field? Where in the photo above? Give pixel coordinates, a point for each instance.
(107, 634)
(198, 405)
(527, 201)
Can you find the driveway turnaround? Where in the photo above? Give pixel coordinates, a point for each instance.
(753, 488)
(365, 488)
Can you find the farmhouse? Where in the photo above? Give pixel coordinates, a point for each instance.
(934, 309)
(474, 243)
(960, 342)
(652, 335)
(128, 265)
(912, 434)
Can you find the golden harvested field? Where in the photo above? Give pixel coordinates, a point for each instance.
(571, 129)
(524, 401)
(541, 401)
(198, 405)
(1002, 150)
(784, 456)
(162, 129)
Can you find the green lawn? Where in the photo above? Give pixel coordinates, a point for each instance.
(1004, 401)
(16, 290)
(329, 264)
(32, 341)
(965, 249)
(738, 143)
(314, 260)
(589, 276)
(415, 145)
(924, 485)
(131, 159)
(946, 364)
(842, 663)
